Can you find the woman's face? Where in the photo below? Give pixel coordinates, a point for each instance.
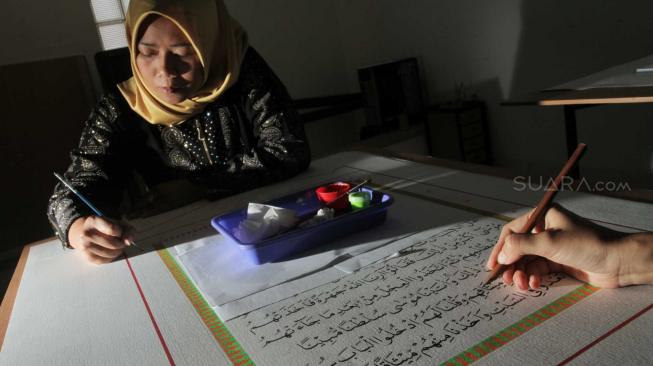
(167, 62)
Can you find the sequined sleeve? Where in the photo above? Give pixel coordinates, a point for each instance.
(96, 170)
(272, 136)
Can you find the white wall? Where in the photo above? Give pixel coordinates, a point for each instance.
(301, 42)
(505, 48)
(299, 39)
(456, 41)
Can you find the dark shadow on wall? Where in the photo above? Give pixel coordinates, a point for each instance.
(44, 104)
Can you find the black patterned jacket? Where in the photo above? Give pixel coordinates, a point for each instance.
(250, 136)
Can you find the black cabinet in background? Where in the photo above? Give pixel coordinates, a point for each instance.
(459, 131)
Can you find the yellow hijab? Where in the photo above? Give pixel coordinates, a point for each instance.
(219, 41)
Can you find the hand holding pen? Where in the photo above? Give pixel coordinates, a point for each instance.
(561, 242)
(99, 239)
(551, 239)
(536, 216)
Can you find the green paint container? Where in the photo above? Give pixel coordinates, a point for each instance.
(359, 200)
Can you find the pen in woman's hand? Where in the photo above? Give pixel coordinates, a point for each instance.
(87, 202)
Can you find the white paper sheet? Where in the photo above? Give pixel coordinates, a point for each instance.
(226, 278)
(223, 273)
(582, 325)
(408, 177)
(238, 294)
(421, 308)
(71, 312)
(234, 286)
(58, 320)
(65, 305)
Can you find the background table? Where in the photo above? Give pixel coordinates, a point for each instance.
(588, 92)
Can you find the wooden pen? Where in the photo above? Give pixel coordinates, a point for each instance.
(543, 205)
(86, 201)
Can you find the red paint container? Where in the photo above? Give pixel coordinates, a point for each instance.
(327, 194)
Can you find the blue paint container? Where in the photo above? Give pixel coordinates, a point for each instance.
(306, 204)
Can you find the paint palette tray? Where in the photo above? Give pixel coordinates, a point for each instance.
(305, 204)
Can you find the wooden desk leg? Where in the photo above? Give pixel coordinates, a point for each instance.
(572, 137)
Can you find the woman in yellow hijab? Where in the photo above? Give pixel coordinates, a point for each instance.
(205, 27)
(202, 107)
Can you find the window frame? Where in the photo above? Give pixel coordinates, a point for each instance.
(110, 40)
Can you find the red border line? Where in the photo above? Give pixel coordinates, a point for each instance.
(606, 335)
(149, 312)
(227, 342)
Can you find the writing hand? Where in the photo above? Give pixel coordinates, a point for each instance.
(100, 240)
(561, 242)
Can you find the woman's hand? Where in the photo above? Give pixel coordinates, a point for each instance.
(562, 242)
(100, 240)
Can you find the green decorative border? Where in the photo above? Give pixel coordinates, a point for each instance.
(501, 338)
(218, 329)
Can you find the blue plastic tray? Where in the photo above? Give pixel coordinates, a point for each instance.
(306, 204)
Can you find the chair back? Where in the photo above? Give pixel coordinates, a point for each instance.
(113, 67)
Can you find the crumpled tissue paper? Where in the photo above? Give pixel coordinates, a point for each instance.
(264, 221)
